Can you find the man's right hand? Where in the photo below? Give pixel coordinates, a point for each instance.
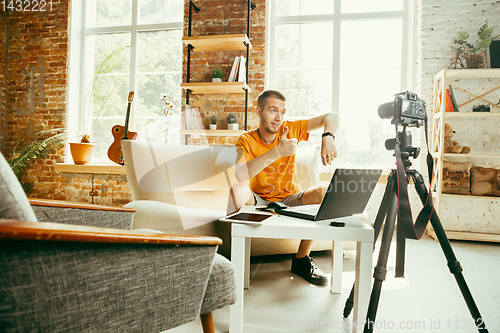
(286, 146)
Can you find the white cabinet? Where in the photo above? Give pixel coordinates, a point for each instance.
(467, 217)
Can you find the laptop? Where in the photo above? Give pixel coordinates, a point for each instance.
(347, 194)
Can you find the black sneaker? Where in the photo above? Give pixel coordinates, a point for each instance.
(307, 269)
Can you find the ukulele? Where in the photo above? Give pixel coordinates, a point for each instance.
(121, 133)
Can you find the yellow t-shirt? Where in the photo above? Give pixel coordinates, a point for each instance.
(278, 180)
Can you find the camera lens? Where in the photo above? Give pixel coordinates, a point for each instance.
(386, 110)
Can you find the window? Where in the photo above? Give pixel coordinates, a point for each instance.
(140, 41)
(343, 55)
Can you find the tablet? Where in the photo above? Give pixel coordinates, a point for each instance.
(255, 218)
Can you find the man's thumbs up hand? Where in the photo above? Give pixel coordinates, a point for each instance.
(286, 147)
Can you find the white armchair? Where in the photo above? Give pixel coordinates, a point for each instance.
(184, 190)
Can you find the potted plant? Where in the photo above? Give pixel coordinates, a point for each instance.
(232, 121)
(469, 50)
(212, 116)
(35, 147)
(217, 75)
(83, 150)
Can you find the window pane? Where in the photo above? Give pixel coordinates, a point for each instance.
(308, 45)
(160, 72)
(160, 11)
(108, 13)
(107, 87)
(304, 67)
(366, 6)
(370, 75)
(160, 51)
(303, 7)
(150, 121)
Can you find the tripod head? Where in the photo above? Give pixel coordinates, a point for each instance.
(407, 150)
(407, 110)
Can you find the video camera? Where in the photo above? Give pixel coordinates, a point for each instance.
(407, 109)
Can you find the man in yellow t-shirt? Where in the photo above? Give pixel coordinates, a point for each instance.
(266, 158)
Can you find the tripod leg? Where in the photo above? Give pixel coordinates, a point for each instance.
(379, 221)
(380, 270)
(453, 263)
(400, 252)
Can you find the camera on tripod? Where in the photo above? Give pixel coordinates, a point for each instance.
(407, 110)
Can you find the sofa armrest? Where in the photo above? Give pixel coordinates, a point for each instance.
(82, 214)
(120, 281)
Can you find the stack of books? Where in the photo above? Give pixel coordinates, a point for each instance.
(238, 71)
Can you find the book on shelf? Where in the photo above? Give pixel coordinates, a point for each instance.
(448, 103)
(453, 100)
(242, 72)
(234, 70)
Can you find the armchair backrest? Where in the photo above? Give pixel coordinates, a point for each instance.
(13, 201)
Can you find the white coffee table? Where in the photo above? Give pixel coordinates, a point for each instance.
(292, 228)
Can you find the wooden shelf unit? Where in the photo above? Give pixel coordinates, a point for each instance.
(441, 83)
(217, 43)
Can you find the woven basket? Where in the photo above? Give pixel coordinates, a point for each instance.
(475, 61)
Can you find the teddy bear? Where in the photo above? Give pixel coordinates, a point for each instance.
(451, 146)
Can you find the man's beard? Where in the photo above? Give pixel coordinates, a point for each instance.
(269, 127)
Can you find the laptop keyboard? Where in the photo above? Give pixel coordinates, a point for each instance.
(306, 209)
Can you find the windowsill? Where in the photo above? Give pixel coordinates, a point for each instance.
(106, 169)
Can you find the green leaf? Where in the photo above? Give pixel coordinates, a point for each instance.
(484, 32)
(462, 35)
(484, 43)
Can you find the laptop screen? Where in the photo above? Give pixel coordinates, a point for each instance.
(348, 192)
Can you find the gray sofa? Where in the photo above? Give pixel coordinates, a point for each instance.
(79, 268)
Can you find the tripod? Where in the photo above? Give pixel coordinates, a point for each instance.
(387, 211)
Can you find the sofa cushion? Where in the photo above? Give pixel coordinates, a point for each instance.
(13, 203)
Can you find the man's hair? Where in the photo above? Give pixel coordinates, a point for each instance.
(261, 101)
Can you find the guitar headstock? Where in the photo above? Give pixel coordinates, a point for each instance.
(130, 96)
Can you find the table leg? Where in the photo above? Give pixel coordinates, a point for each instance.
(247, 262)
(238, 260)
(337, 264)
(362, 285)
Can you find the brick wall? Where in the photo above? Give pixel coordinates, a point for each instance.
(226, 17)
(33, 88)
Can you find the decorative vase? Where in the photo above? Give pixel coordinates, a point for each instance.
(216, 79)
(475, 61)
(81, 152)
(213, 127)
(232, 127)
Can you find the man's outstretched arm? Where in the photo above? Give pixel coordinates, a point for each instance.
(330, 123)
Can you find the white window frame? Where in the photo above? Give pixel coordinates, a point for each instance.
(76, 76)
(408, 52)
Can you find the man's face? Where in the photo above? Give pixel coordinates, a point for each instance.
(272, 114)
